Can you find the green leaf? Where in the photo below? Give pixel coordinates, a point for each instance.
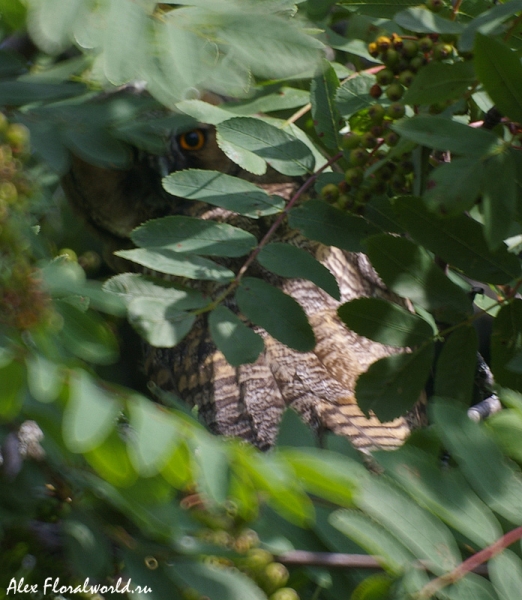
(44, 378)
(499, 198)
(134, 285)
(456, 365)
(281, 151)
(244, 158)
(437, 82)
(331, 226)
(17, 93)
(443, 492)
(87, 335)
(173, 263)
(155, 434)
(212, 463)
(266, 101)
(422, 20)
(353, 95)
(279, 314)
(410, 271)
(385, 322)
(96, 145)
(441, 133)
(90, 414)
(204, 112)
(189, 234)
(393, 384)
(453, 187)
(111, 461)
(505, 572)
(487, 22)
(459, 241)
(290, 261)
(423, 534)
(159, 321)
(471, 587)
(506, 343)
(239, 343)
(374, 538)
(499, 70)
(378, 8)
(327, 120)
(214, 582)
(374, 587)
(12, 380)
(224, 191)
(506, 425)
(496, 481)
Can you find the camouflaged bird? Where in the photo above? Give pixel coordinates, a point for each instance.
(246, 401)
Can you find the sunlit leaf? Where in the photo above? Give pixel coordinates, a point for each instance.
(44, 378)
(422, 20)
(111, 461)
(487, 22)
(437, 82)
(353, 95)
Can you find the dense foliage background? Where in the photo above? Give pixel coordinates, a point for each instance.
(405, 120)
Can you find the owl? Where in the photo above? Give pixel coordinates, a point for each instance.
(246, 401)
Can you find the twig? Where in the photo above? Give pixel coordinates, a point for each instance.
(471, 564)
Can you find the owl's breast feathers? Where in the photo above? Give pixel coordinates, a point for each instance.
(248, 401)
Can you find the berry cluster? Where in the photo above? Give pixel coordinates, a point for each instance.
(403, 57)
(22, 302)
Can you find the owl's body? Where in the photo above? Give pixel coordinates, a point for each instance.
(248, 401)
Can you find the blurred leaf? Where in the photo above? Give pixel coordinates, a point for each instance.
(212, 462)
(134, 285)
(222, 190)
(505, 571)
(111, 461)
(173, 263)
(457, 364)
(159, 321)
(443, 492)
(11, 63)
(238, 342)
(284, 98)
(294, 432)
(506, 343)
(393, 384)
(331, 226)
(12, 380)
(422, 533)
(487, 22)
(441, 133)
(422, 20)
(499, 197)
(459, 241)
(96, 146)
(281, 151)
(87, 335)
(453, 187)
(204, 112)
(506, 425)
(51, 23)
(327, 120)
(437, 82)
(18, 93)
(214, 582)
(471, 587)
(376, 7)
(44, 378)
(374, 538)
(281, 316)
(354, 94)
(189, 234)
(86, 545)
(410, 271)
(157, 583)
(496, 481)
(178, 470)
(291, 261)
(384, 322)
(90, 414)
(500, 72)
(154, 435)
(374, 587)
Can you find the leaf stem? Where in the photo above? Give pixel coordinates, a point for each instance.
(470, 564)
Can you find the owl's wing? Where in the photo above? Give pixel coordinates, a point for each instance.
(248, 401)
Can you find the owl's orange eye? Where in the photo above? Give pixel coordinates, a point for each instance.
(192, 140)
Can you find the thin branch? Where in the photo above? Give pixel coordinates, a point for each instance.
(469, 565)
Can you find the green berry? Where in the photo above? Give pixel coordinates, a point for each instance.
(354, 176)
(435, 5)
(376, 113)
(358, 157)
(425, 44)
(330, 192)
(275, 576)
(285, 594)
(8, 192)
(17, 135)
(343, 202)
(410, 48)
(384, 77)
(376, 131)
(396, 111)
(395, 91)
(442, 51)
(4, 123)
(406, 78)
(417, 63)
(406, 166)
(391, 57)
(351, 141)
(391, 138)
(368, 140)
(257, 559)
